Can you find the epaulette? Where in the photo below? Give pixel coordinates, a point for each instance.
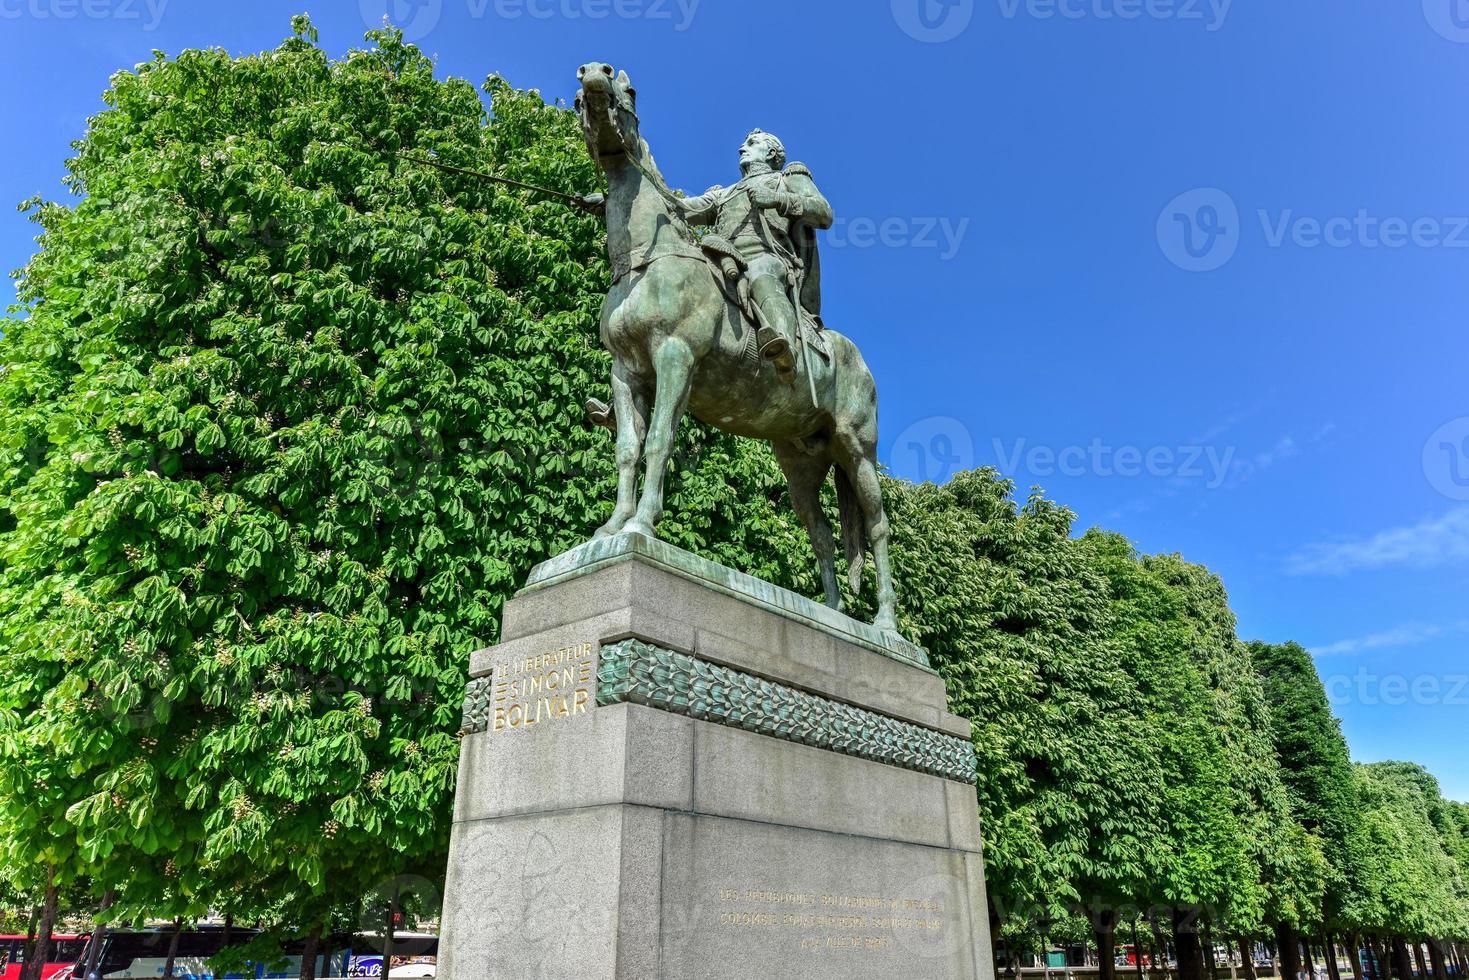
(798, 170)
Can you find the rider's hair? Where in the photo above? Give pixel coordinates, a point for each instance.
(777, 148)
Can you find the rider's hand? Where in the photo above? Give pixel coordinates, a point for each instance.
(765, 197)
(592, 203)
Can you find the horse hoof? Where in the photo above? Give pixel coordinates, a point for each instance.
(640, 527)
(610, 529)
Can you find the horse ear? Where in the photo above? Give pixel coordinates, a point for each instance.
(626, 84)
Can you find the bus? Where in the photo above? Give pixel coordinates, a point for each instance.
(64, 952)
(141, 954)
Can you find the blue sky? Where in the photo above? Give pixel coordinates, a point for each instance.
(1197, 267)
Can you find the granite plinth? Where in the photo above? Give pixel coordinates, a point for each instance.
(663, 776)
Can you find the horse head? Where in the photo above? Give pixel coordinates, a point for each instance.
(607, 105)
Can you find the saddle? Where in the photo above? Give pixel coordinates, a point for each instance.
(730, 270)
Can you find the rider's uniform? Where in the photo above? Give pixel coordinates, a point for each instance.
(781, 249)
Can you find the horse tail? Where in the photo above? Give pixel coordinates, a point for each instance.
(854, 528)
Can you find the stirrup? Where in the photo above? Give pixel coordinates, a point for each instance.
(773, 346)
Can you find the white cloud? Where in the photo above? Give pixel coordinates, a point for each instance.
(1401, 636)
(1431, 543)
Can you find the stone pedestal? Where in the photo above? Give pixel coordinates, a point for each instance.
(672, 770)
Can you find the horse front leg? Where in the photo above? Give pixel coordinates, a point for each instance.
(673, 363)
(630, 407)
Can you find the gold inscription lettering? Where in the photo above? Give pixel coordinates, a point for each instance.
(547, 687)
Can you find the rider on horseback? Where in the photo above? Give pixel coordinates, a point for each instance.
(771, 217)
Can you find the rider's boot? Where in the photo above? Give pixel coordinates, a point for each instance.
(778, 326)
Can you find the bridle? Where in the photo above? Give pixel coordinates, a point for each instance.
(619, 103)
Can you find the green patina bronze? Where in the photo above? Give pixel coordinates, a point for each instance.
(637, 672)
(595, 555)
(728, 327)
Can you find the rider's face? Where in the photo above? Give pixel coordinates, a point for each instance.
(754, 150)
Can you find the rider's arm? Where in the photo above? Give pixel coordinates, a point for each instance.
(704, 209)
(809, 204)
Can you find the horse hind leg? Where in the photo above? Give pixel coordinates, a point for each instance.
(674, 363)
(806, 474)
(630, 415)
(859, 460)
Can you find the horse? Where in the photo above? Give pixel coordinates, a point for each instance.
(680, 345)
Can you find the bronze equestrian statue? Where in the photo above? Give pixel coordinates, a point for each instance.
(727, 326)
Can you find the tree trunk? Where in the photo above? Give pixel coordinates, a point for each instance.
(1186, 941)
(1354, 956)
(1104, 930)
(42, 952)
(1247, 958)
(1160, 946)
(1422, 963)
(1287, 953)
(1328, 949)
(1137, 952)
(99, 935)
(1436, 959)
(996, 928)
(388, 932)
(1307, 963)
(30, 947)
(308, 954)
(1211, 964)
(1384, 962)
(1402, 963)
(173, 948)
(328, 950)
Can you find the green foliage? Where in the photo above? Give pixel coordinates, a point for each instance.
(1313, 752)
(1233, 848)
(1406, 875)
(1018, 622)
